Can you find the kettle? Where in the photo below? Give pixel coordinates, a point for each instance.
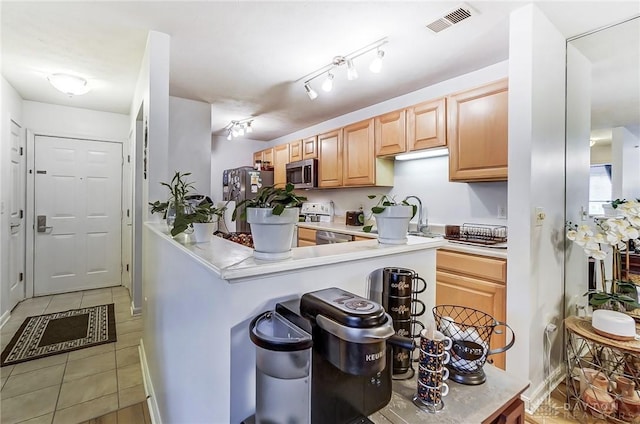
(355, 218)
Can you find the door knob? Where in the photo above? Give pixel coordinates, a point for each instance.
(42, 224)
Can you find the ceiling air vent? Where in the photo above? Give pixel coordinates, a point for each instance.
(451, 18)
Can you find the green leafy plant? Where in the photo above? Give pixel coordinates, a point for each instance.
(384, 201)
(270, 197)
(201, 214)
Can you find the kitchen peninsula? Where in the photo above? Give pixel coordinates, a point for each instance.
(199, 299)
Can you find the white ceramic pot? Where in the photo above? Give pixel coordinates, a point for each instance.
(272, 234)
(393, 224)
(202, 232)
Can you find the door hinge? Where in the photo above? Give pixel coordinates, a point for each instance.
(128, 158)
(21, 151)
(20, 276)
(127, 213)
(127, 267)
(21, 213)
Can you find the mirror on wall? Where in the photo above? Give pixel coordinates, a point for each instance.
(603, 135)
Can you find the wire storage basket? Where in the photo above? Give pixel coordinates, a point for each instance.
(470, 331)
(477, 233)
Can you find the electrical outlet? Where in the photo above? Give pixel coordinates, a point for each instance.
(540, 216)
(502, 212)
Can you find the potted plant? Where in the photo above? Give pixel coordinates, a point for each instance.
(392, 219)
(272, 215)
(204, 219)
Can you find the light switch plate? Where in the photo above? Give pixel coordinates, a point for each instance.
(502, 212)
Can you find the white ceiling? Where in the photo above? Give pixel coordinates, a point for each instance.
(248, 58)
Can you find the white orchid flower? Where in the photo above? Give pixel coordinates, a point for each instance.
(571, 234)
(596, 253)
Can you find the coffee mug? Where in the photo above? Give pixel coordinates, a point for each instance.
(400, 307)
(433, 378)
(433, 362)
(400, 282)
(404, 327)
(436, 345)
(432, 395)
(401, 360)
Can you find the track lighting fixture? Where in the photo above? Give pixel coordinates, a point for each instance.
(239, 128)
(338, 61)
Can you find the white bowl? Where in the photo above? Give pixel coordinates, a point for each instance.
(614, 324)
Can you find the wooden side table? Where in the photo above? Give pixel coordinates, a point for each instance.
(589, 353)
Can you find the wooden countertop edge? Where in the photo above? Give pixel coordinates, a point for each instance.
(504, 407)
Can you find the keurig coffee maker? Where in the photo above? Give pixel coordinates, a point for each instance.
(351, 354)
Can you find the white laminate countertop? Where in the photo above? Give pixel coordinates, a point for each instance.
(340, 227)
(232, 261)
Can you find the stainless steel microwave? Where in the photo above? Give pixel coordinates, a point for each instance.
(303, 173)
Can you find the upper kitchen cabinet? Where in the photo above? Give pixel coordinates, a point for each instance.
(330, 159)
(390, 133)
(360, 165)
(477, 123)
(295, 151)
(264, 156)
(426, 125)
(310, 147)
(280, 160)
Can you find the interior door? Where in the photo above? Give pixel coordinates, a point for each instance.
(16, 216)
(78, 214)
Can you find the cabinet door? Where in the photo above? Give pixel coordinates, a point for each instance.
(280, 160)
(477, 124)
(267, 156)
(306, 237)
(295, 151)
(485, 296)
(390, 133)
(359, 154)
(257, 156)
(310, 148)
(426, 125)
(330, 159)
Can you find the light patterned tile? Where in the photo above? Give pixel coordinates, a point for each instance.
(131, 395)
(100, 299)
(123, 316)
(91, 351)
(87, 388)
(43, 419)
(98, 292)
(2, 381)
(63, 305)
(129, 326)
(127, 356)
(40, 363)
(29, 405)
(128, 340)
(110, 418)
(87, 410)
(6, 371)
(20, 384)
(131, 415)
(129, 376)
(91, 365)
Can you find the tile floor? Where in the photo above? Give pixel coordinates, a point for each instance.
(73, 387)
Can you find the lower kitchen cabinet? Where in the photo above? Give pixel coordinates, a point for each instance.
(477, 282)
(306, 237)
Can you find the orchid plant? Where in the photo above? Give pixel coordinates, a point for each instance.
(611, 235)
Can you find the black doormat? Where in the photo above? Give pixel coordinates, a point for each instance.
(61, 332)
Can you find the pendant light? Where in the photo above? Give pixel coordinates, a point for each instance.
(352, 73)
(327, 85)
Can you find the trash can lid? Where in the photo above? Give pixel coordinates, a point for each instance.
(272, 331)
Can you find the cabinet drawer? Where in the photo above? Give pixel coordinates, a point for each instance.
(303, 243)
(307, 234)
(473, 265)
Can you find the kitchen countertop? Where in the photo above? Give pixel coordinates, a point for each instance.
(463, 404)
(338, 226)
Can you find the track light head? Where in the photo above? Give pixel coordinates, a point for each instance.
(327, 85)
(310, 91)
(376, 64)
(248, 128)
(229, 135)
(352, 73)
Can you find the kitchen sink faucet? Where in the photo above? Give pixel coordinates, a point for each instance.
(421, 227)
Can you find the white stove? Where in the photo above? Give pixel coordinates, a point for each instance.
(317, 212)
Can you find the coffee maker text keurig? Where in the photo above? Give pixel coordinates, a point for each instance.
(351, 354)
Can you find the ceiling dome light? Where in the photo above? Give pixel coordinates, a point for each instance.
(69, 84)
(352, 73)
(310, 91)
(327, 85)
(376, 64)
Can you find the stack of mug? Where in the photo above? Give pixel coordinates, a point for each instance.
(400, 285)
(432, 373)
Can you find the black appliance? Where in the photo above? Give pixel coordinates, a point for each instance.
(243, 183)
(303, 173)
(351, 355)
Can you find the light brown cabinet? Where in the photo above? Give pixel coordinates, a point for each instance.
(295, 151)
(330, 159)
(426, 125)
(310, 147)
(306, 237)
(280, 160)
(264, 156)
(358, 157)
(477, 124)
(390, 133)
(477, 282)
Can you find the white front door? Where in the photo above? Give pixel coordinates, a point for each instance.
(16, 217)
(78, 214)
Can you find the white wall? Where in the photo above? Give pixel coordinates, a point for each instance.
(49, 119)
(625, 169)
(536, 176)
(425, 178)
(10, 109)
(228, 154)
(190, 141)
(601, 154)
